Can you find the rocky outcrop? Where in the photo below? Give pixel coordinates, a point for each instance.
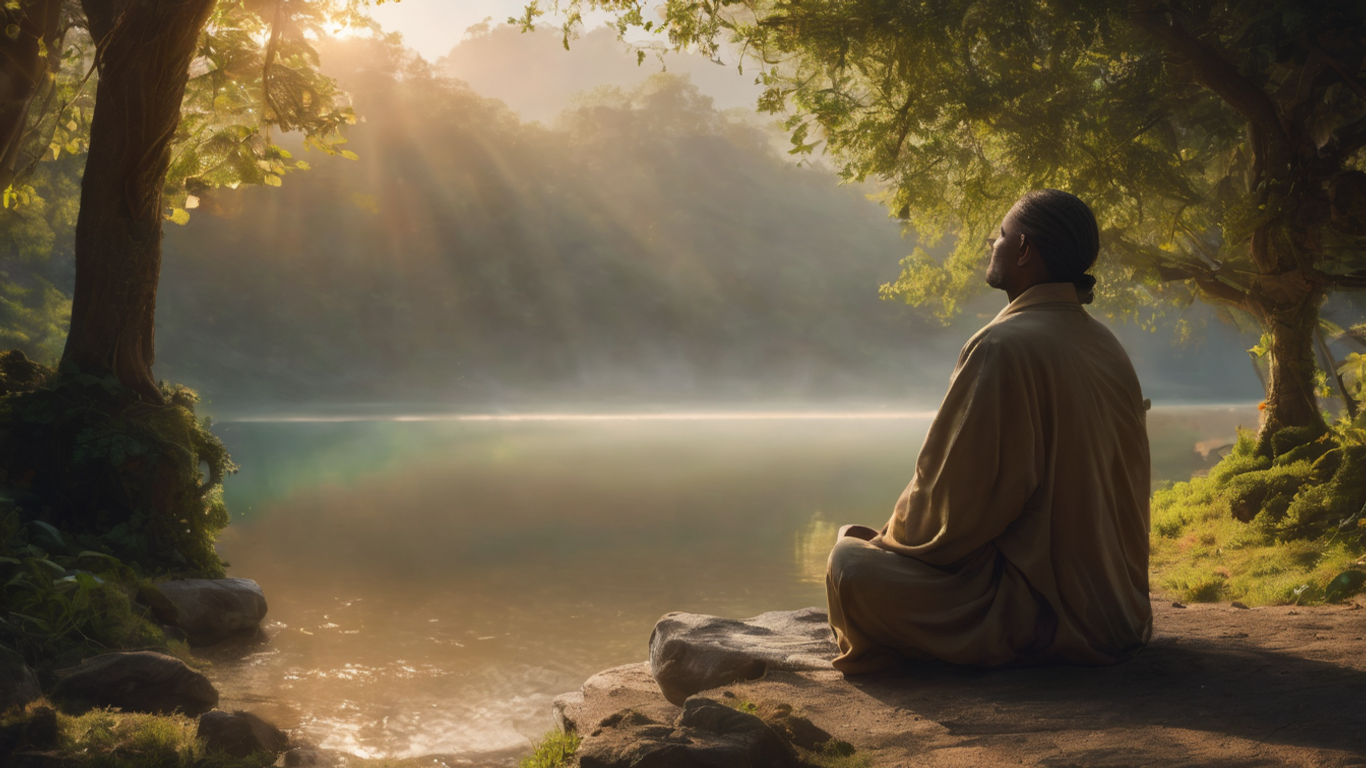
(1219, 686)
(18, 684)
(706, 734)
(609, 692)
(210, 610)
(137, 681)
(690, 652)
(240, 734)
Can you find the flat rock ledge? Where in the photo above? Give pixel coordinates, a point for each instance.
(1219, 686)
(690, 652)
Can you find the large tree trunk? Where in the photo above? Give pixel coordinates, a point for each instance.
(1290, 400)
(144, 49)
(1286, 300)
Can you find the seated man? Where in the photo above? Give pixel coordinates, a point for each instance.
(1023, 536)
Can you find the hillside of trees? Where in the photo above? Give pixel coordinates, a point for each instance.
(642, 248)
(645, 247)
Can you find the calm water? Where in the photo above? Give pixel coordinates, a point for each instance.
(434, 584)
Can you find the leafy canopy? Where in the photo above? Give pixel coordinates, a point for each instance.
(960, 106)
(256, 74)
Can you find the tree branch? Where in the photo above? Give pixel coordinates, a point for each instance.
(1211, 69)
(1207, 281)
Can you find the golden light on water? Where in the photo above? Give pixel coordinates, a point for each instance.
(813, 543)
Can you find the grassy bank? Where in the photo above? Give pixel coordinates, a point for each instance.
(1266, 529)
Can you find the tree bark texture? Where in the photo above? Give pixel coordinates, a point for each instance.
(27, 62)
(144, 48)
(1290, 400)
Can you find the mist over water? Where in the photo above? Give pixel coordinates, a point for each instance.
(433, 584)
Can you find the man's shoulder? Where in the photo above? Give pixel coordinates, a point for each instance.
(1035, 332)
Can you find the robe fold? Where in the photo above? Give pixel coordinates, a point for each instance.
(1023, 536)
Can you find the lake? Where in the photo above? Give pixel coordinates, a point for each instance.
(434, 582)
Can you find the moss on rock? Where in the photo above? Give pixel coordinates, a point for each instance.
(1264, 529)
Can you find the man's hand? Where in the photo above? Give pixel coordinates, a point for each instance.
(857, 531)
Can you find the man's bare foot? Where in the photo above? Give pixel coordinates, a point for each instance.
(857, 531)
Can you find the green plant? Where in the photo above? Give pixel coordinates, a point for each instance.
(137, 481)
(59, 602)
(555, 750)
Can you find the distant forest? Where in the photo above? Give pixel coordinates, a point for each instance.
(642, 248)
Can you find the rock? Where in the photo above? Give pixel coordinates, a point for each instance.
(707, 734)
(18, 684)
(136, 681)
(691, 652)
(240, 734)
(210, 610)
(611, 691)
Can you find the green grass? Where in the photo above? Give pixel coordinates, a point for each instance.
(1305, 527)
(555, 750)
(105, 738)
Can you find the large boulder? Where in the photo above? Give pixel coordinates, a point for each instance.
(240, 734)
(707, 734)
(136, 681)
(692, 652)
(18, 684)
(210, 610)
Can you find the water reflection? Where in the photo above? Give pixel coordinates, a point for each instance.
(813, 548)
(434, 584)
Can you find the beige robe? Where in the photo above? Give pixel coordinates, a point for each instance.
(1023, 536)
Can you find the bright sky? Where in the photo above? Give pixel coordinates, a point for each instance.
(533, 74)
(433, 27)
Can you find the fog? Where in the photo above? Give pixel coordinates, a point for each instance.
(629, 244)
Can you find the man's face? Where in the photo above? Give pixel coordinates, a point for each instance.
(1005, 250)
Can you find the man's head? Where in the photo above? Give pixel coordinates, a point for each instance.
(1049, 236)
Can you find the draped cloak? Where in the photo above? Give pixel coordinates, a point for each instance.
(1023, 536)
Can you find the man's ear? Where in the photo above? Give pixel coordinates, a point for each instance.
(1026, 253)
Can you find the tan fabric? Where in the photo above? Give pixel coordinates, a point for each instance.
(1023, 536)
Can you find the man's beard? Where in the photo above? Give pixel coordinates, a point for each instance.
(995, 275)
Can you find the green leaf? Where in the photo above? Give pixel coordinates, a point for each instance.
(49, 532)
(179, 216)
(56, 570)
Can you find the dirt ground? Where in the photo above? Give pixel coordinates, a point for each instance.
(1218, 686)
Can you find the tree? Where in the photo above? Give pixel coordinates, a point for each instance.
(1220, 144)
(186, 94)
